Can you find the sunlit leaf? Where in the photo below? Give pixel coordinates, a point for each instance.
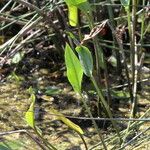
(74, 2)
(74, 69)
(73, 15)
(17, 57)
(73, 6)
(67, 121)
(29, 116)
(86, 59)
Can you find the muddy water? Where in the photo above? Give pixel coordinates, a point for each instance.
(14, 102)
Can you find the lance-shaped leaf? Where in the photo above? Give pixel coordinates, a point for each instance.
(67, 121)
(74, 69)
(29, 116)
(73, 15)
(86, 59)
(73, 6)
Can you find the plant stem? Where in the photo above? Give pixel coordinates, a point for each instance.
(99, 92)
(120, 44)
(142, 24)
(47, 144)
(133, 125)
(84, 142)
(93, 121)
(134, 71)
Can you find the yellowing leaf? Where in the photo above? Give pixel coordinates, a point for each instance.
(75, 2)
(73, 15)
(29, 116)
(67, 121)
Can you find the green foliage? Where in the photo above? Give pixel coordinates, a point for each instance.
(120, 94)
(18, 79)
(69, 123)
(11, 145)
(73, 6)
(73, 15)
(86, 59)
(52, 90)
(74, 69)
(74, 2)
(29, 116)
(125, 3)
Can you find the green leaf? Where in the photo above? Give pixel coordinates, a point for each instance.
(11, 145)
(29, 116)
(73, 15)
(67, 121)
(17, 57)
(85, 7)
(73, 6)
(74, 69)
(86, 59)
(30, 90)
(120, 94)
(125, 3)
(52, 90)
(74, 2)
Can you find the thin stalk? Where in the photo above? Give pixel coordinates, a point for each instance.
(115, 137)
(142, 24)
(119, 70)
(47, 144)
(98, 53)
(109, 98)
(131, 30)
(110, 12)
(134, 62)
(134, 138)
(45, 16)
(100, 62)
(5, 6)
(120, 44)
(117, 53)
(134, 105)
(98, 49)
(99, 92)
(132, 46)
(84, 142)
(93, 121)
(24, 131)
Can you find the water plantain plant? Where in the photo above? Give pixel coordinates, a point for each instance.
(75, 69)
(30, 119)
